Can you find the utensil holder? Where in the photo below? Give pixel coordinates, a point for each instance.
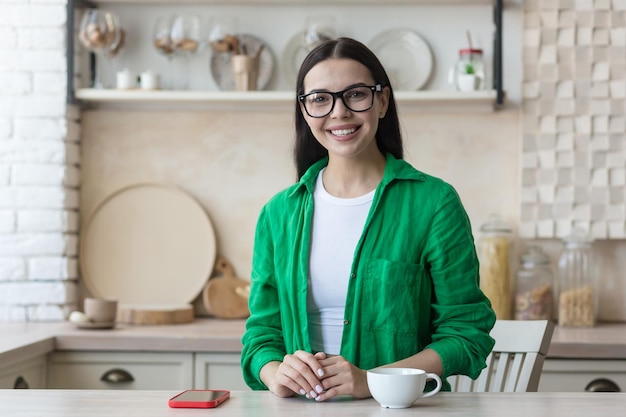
(246, 71)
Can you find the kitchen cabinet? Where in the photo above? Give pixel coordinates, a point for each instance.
(283, 21)
(26, 373)
(144, 370)
(218, 371)
(578, 375)
(120, 370)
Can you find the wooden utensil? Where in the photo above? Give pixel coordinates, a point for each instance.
(225, 295)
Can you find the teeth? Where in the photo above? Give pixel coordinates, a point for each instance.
(342, 132)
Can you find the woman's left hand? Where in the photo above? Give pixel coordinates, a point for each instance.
(341, 378)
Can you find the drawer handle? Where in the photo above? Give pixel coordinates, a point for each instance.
(602, 385)
(20, 383)
(117, 376)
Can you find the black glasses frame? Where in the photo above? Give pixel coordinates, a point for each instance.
(340, 94)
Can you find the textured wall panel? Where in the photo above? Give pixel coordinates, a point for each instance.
(573, 164)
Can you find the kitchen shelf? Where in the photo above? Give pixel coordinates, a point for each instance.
(297, 2)
(232, 100)
(472, 101)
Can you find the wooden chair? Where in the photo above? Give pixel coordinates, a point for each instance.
(516, 361)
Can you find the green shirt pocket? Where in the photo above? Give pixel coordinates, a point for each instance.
(397, 295)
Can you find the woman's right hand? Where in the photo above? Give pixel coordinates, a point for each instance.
(298, 373)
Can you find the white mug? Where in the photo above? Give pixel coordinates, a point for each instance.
(149, 80)
(124, 79)
(400, 387)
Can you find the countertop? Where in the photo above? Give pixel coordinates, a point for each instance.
(23, 340)
(112, 403)
(20, 340)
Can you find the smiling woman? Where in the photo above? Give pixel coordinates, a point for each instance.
(381, 255)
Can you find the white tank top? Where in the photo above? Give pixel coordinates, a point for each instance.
(337, 227)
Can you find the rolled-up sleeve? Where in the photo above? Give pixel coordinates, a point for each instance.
(463, 316)
(263, 339)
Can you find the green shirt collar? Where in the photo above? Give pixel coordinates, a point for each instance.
(394, 169)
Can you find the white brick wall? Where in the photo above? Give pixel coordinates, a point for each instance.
(39, 165)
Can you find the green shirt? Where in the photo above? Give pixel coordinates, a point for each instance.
(414, 282)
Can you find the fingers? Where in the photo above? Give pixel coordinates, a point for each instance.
(301, 373)
(342, 378)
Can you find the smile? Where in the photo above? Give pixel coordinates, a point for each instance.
(343, 132)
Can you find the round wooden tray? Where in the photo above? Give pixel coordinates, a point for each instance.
(148, 244)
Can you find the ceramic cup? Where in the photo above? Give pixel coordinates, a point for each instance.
(100, 310)
(400, 387)
(149, 80)
(124, 79)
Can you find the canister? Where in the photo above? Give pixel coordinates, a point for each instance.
(494, 249)
(577, 300)
(534, 286)
(468, 74)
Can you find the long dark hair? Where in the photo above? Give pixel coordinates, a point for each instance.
(307, 149)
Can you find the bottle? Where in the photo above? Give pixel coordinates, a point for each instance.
(534, 294)
(494, 252)
(577, 300)
(468, 74)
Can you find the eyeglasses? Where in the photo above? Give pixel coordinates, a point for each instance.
(358, 99)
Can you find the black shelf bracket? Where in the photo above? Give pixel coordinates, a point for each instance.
(497, 54)
(70, 98)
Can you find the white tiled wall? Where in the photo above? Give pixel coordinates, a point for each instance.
(39, 165)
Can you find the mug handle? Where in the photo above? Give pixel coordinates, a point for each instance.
(437, 388)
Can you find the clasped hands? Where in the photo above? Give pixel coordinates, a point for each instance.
(317, 376)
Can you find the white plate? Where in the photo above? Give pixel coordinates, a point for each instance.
(148, 244)
(222, 67)
(293, 55)
(406, 56)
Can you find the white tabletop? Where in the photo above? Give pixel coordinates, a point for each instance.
(88, 403)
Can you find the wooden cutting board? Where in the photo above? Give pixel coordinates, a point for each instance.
(145, 234)
(225, 295)
(155, 314)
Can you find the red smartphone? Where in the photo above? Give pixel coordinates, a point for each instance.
(199, 398)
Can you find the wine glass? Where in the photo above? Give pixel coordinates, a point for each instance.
(318, 29)
(162, 41)
(99, 31)
(222, 36)
(185, 34)
(115, 49)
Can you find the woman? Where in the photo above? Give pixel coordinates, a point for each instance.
(365, 261)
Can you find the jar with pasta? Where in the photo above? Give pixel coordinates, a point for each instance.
(577, 300)
(534, 295)
(494, 249)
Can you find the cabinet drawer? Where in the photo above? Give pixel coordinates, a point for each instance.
(28, 373)
(574, 375)
(218, 371)
(110, 370)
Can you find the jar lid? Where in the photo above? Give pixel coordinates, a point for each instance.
(495, 223)
(577, 237)
(535, 255)
(467, 51)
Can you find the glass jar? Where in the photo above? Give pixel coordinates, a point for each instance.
(469, 71)
(534, 295)
(494, 254)
(577, 301)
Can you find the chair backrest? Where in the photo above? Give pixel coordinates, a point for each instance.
(516, 361)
